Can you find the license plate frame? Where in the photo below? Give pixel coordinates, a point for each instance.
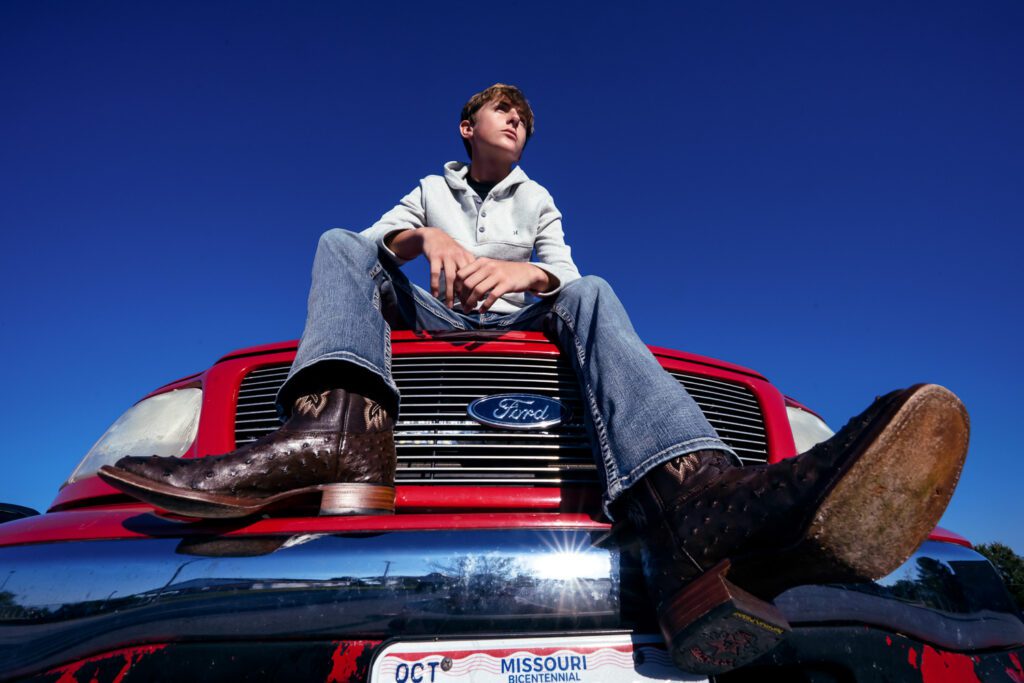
(603, 658)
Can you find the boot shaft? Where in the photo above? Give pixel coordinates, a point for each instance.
(338, 410)
(647, 503)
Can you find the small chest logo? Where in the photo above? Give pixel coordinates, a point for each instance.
(518, 411)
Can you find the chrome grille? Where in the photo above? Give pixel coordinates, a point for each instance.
(437, 443)
(733, 411)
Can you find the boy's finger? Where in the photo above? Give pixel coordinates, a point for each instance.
(471, 281)
(435, 277)
(486, 285)
(465, 270)
(466, 258)
(449, 282)
(495, 294)
(471, 298)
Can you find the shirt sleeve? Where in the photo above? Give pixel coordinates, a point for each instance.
(409, 213)
(553, 255)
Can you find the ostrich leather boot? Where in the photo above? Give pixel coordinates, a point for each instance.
(719, 542)
(336, 445)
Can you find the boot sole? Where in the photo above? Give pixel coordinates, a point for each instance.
(894, 494)
(878, 513)
(336, 499)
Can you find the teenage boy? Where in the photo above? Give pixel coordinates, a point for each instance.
(718, 540)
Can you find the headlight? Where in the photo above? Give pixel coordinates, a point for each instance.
(165, 424)
(808, 429)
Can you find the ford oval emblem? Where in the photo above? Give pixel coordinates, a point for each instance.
(518, 411)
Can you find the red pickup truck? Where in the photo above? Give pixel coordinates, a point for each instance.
(492, 569)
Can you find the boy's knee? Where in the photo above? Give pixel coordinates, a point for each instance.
(588, 286)
(340, 240)
(336, 236)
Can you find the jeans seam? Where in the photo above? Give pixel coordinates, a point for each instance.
(387, 353)
(611, 471)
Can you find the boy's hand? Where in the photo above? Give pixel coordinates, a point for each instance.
(445, 254)
(493, 278)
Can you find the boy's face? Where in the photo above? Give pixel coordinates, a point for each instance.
(498, 133)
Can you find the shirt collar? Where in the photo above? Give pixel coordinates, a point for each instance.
(455, 173)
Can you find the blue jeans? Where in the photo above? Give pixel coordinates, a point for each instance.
(639, 416)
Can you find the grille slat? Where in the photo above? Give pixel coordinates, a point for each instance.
(561, 458)
(470, 436)
(474, 373)
(248, 393)
(700, 392)
(491, 446)
(438, 444)
(263, 383)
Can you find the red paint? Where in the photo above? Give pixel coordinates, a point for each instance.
(408, 498)
(131, 655)
(89, 491)
(947, 536)
(938, 666)
(1016, 674)
(221, 385)
(546, 509)
(771, 401)
(345, 666)
(113, 523)
(912, 657)
(793, 403)
(515, 337)
(888, 641)
(67, 674)
(216, 435)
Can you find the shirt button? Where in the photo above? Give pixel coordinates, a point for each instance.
(481, 228)
(483, 214)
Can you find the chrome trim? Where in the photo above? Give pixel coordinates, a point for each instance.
(944, 594)
(63, 601)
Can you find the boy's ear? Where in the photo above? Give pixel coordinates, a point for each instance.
(466, 129)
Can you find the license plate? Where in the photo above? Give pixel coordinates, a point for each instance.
(617, 658)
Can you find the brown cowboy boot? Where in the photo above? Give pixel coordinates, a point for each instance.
(337, 443)
(719, 542)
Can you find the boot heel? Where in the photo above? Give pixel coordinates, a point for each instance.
(713, 626)
(357, 499)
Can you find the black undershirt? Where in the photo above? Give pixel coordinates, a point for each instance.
(482, 189)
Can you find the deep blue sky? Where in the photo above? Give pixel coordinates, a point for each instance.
(830, 193)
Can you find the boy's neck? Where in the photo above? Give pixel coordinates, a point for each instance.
(485, 171)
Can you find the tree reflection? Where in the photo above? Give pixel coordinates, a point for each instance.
(473, 582)
(934, 585)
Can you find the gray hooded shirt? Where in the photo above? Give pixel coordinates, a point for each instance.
(515, 220)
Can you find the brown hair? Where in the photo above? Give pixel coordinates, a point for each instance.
(499, 92)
